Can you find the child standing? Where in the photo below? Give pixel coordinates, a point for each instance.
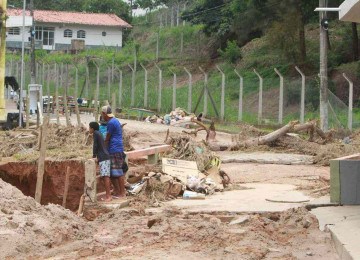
(100, 152)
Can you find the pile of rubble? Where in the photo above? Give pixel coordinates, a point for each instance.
(178, 117)
(63, 143)
(190, 170)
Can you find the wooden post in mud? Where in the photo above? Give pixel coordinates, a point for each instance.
(41, 162)
(66, 187)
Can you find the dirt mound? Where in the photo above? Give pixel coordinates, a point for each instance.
(293, 234)
(27, 228)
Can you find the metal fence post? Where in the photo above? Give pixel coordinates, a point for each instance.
(157, 47)
(222, 109)
(190, 90)
(160, 88)
(351, 94)
(77, 95)
(87, 80)
(145, 86)
(17, 70)
(281, 96)
(11, 67)
(120, 85)
(302, 107)
(241, 90)
(109, 84)
(97, 92)
(57, 94)
(205, 91)
(132, 86)
(48, 89)
(260, 96)
(174, 91)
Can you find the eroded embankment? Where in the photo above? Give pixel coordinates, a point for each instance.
(23, 175)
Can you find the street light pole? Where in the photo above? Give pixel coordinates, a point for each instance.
(32, 45)
(324, 120)
(22, 77)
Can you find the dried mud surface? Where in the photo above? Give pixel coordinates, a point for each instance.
(29, 230)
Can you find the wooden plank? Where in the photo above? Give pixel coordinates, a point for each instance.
(66, 188)
(41, 161)
(147, 151)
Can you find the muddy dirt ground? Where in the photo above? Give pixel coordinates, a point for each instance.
(29, 230)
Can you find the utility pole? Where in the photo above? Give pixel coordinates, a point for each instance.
(324, 124)
(32, 45)
(2, 57)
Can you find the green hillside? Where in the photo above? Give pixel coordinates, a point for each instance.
(190, 45)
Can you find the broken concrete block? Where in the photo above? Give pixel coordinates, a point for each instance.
(240, 220)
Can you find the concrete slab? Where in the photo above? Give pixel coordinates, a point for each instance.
(263, 157)
(251, 200)
(344, 224)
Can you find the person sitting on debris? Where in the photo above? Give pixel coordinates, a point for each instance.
(101, 154)
(114, 143)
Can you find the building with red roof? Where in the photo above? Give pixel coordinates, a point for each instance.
(58, 30)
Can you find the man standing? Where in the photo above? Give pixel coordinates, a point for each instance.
(114, 143)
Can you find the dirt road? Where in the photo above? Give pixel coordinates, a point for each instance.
(29, 230)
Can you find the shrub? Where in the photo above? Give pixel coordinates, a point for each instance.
(231, 53)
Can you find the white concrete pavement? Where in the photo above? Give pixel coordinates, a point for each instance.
(255, 198)
(343, 223)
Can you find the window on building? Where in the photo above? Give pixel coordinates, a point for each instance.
(103, 33)
(45, 34)
(14, 31)
(68, 33)
(81, 34)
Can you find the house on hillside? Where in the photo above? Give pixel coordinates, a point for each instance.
(57, 30)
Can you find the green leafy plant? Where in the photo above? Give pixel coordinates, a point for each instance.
(231, 53)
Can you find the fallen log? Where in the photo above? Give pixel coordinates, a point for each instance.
(293, 126)
(210, 132)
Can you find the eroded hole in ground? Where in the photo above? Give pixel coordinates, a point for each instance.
(23, 175)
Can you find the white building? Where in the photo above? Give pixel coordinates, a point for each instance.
(55, 30)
